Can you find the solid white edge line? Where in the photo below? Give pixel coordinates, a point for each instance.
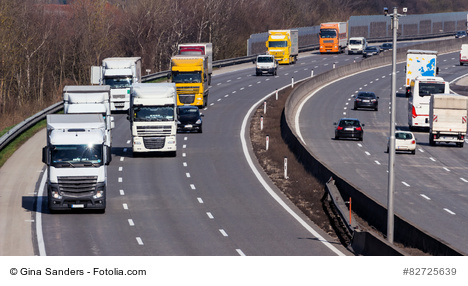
(268, 188)
(39, 234)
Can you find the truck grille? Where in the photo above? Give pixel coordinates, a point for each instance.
(157, 130)
(188, 90)
(77, 186)
(118, 96)
(186, 98)
(154, 142)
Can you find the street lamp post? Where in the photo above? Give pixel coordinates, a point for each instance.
(391, 149)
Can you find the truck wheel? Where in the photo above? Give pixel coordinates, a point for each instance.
(431, 140)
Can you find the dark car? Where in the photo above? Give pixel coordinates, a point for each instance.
(366, 99)
(460, 34)
(370, 51)
(349, 128)
(386, 47)
(189, 118)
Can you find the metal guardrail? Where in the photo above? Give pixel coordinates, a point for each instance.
(27, 123)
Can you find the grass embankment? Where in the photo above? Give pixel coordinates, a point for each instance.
(8, 151)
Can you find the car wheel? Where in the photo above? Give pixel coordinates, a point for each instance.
(360, 138)
(413, 152)
(200, 130)
(376, 109)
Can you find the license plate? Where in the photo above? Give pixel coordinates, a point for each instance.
(119, 104)
(349, 129)
(366, 100)
(77, 206)
(188, 126)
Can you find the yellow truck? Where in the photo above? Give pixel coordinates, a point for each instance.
(190, 75)
(284, 45)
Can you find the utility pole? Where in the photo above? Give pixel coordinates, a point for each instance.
(391, 149)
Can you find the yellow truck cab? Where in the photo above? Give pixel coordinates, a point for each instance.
(284, 45)
(190, 75)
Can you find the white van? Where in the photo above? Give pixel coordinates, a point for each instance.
(357, 45)
(464, 54)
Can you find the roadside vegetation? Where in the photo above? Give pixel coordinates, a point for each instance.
(47, 44)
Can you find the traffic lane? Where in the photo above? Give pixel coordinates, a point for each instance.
(239, 203)
(354, 174)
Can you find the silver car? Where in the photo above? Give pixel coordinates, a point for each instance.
(404, 141)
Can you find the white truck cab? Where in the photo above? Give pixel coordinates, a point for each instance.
(266, 64)
(357, 45)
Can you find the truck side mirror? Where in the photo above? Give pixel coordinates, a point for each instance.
(45, 155)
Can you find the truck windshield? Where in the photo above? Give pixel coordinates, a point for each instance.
(277, 44)
(81, 155)
(327, 33)
(355, 42)
(265, 59)
(426, 88)
(153, 113)
(118, 82)
(186, 77)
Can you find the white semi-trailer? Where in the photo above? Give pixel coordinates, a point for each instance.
(90, 99)
(76, 159)
(153, 117)
(448, 115)
(119, 73)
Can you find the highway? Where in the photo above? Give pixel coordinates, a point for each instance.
(206, 200)
(430, 187)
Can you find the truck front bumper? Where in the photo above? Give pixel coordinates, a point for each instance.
(59, 200)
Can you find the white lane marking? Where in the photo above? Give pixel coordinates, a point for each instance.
(426, 197)
(184, 155)
(234, 91)
(200, 200)
(242, 88)
(446, 169)
(122, 193)
(121, 159)
(128, 141)
(432, 159)
(219, 99)
(265, 184)
(187, 174)
(130, 222)
(139, 240)
(39, 233)
(210, 215)
(464, 180)
(449, 211)
(367, 153)
(125, 206)
(223, 232)
(226, 95)
(185, 138)
(359, 144)
(120, 169)
(421, 150)
(192, 186)
(240, 252)
(184, 146)
(120, 179)
(405, 183)
(185, 164)
(377, 162)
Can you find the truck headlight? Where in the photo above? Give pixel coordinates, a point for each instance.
(99, 194)
(56, 195)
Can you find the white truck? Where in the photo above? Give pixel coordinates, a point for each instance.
(356, 45)
(464, 54)
(153, 117)
(76, 159)
(119, 73)
(198, 49)
(419, 63)
(90, 99)
(266, 64)
(448, 115)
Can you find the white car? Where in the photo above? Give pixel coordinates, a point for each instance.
(404, 141)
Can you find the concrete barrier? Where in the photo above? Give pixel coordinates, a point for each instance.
(364, 205)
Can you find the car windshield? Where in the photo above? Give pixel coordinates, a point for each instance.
(186, 77)
(355, 42)
(349, 122)
(427, 88)
(277, 44)
(371, 48)
(189, 111)
(118, 82)
(366, 94)
(153, 113)
(265, 59)
(327, 33)
(403, 135)
(80, 155)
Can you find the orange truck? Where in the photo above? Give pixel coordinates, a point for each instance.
(333, 37)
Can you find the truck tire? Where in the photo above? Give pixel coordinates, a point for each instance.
(431, 140)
